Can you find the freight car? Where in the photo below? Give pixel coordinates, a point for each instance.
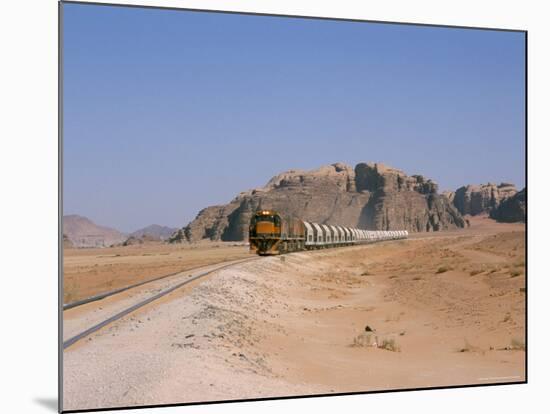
(270, 233)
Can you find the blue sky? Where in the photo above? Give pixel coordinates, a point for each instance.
(167, 112)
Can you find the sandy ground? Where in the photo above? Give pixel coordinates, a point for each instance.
(88, 272)
(444, 309)
(82, 317)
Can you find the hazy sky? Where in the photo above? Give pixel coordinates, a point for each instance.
(167, 112)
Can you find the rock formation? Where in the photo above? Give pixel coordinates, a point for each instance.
(155, 231)
(480, 199)
(369, 196)
(143, 239)
(512, 209)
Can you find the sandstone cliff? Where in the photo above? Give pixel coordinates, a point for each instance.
(369, 196)
(512, 209)
(480, 199)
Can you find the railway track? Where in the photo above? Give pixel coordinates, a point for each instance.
(70, 305)
(151, 298)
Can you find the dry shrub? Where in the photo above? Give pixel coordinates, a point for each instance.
(476, 272)
(390, 345)
(443, 269)
(365, 340)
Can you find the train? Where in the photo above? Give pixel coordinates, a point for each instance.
(272, 234)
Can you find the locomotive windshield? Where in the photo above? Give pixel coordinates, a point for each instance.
(268, 218)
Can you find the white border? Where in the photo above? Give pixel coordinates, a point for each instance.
(28, 167)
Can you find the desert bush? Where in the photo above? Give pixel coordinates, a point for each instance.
(475, 272)
(442, 269)
(365, 340)
(515, 273)
(390, 345)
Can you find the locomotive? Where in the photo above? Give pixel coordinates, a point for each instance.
(271, 234)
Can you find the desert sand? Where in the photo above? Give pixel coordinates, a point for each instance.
(88, 272)
(441, 309)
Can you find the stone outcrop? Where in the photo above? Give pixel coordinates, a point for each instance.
(369, 196)
(450, 195)
(480, 199)
(143, 239)
(512, 209)
(155, 231)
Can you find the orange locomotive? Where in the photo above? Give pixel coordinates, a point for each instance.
(269, 233)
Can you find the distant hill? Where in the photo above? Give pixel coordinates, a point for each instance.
(155, 231)
(83, 232)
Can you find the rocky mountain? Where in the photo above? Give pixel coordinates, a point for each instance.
(155, 231)
(512, 209)
(369, 196)
(82, 232)
(143, 239)
(480, 199)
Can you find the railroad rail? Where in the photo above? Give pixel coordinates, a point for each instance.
(104, 295)
(144, 302)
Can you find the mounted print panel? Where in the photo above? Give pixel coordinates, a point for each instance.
(259, 206)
